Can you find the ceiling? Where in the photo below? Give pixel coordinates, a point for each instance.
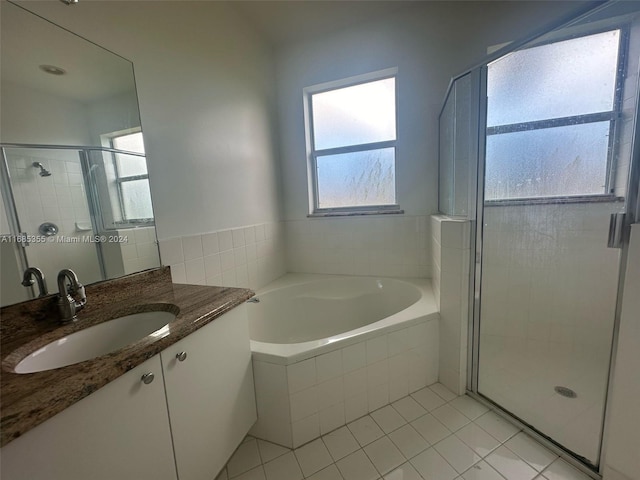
(292, 21)
(28, 41)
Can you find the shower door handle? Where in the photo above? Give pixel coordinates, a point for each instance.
(616, 224)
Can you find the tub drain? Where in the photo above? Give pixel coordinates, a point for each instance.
(565, 392)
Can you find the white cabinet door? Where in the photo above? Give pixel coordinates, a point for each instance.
(210, 394)
(119, 432)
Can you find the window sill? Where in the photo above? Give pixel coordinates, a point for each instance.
(355, 213)
(554, 200)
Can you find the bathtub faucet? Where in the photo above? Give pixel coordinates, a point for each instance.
(253, 300)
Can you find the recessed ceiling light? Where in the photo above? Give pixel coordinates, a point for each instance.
(52, 69)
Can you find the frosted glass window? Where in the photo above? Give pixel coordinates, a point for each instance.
(357, 179)
(355, 115)
(130, 165)
(562, 79)
(353, 150)
(561, 161)
(131, 143)
(550, 114)
(136, 199)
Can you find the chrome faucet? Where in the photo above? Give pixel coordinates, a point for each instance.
(27, 281)
(67, 305)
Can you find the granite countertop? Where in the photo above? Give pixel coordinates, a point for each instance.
(29, 399)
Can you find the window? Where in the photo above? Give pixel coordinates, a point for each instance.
(132, 179)
(351, 141)
(550, 119)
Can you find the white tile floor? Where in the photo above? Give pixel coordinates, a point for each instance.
(430, 435)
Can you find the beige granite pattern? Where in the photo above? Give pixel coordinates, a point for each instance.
(29, 399)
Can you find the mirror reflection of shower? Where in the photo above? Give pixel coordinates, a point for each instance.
(43, 171)
(93, 212)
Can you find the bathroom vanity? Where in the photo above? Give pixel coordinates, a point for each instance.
(175, 407)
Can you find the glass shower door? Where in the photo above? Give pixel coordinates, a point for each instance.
(50, 199)
(559, 130)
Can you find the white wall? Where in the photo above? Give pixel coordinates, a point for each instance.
(205, 87)
(34, 117)
(113, 114)
(429, 43)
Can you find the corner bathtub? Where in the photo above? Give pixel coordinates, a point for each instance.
(328, 349)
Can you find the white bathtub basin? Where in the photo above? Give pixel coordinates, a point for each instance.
(96, 341)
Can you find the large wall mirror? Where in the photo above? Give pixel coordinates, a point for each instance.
(74, 181)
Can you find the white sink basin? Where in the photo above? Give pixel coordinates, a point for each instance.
(96, 341)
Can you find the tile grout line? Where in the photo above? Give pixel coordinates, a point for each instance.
(405, 458)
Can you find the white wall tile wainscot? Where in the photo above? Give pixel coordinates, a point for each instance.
(386, 245)
(249, 256)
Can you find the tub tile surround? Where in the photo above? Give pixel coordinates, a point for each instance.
(385, 245)
(407, 441)
(301, 401)
(450, 252)
(250, 256)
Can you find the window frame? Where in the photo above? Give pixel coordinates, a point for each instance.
(125, 222)
(612, 116)
(313, 153)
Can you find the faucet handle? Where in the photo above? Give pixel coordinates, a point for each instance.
(82, 296)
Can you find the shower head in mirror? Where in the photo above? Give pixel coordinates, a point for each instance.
(43, 171)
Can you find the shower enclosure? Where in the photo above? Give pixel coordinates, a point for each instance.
(67, 206)
(556, 190)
